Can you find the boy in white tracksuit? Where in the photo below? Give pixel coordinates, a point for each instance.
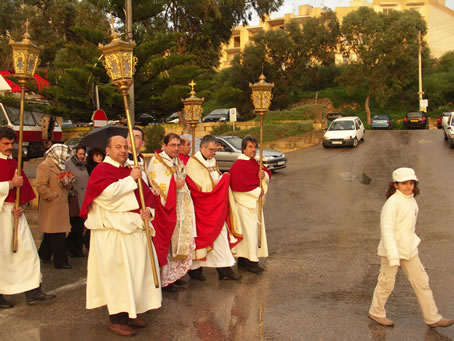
(399, 247)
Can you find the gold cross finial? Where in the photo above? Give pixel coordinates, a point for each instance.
(192, 85)
(26, 34)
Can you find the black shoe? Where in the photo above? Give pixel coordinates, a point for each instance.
(64, 266)
(180, 282)
(196, 274)
(40, 297)
(170, 288)
(4, 304)
(227, 273)
(254, 267)
(243, 262)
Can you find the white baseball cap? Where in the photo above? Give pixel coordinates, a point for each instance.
(404, 174)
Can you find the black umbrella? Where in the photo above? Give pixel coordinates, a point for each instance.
(98, 136)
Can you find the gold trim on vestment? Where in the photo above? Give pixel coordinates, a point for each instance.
(208, 170)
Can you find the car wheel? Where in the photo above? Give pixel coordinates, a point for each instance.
(325, 145)
(364, 137)
(451, 144)
(355, 142)
(446, 137)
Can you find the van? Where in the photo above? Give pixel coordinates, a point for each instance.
(36, 130)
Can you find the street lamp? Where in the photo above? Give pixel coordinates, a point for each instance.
(192, 112)
(25, 60)
(261, 99)
(120, 63)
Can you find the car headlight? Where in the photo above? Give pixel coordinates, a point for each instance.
(326, 138)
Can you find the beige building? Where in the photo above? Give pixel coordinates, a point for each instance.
(439, 19)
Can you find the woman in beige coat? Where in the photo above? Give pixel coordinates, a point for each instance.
(53, 213)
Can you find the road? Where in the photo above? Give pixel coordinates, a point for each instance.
(322, 218)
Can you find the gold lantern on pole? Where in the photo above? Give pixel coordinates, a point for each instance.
(261, 98)
(120, 63)
(192, 112)
(25, 60)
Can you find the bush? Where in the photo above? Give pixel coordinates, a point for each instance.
(300, 113)
(273, 131)
(154, 136)
(222, 129)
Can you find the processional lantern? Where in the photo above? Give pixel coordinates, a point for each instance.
(261, 99)
(25, 61)
(192, 112)
(120, 64)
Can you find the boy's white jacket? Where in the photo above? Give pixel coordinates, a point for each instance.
(397, 224)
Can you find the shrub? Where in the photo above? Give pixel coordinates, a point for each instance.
(273, 131)
(154, 136)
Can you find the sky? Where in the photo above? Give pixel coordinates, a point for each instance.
(291, 6)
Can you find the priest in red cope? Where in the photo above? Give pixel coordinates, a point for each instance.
(119, 268)
(20, 271)
(245, 184)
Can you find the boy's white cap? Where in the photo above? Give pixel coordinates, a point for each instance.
(404, 174)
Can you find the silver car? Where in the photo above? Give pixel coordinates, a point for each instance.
(229, 147)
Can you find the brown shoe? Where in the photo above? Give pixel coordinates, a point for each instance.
(441, 323)
(381, 320)
(121, 329)
(137, 323)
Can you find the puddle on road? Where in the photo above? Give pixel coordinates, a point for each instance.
(361, 178)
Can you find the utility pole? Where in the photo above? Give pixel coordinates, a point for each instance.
(420, 92)
(129, 37)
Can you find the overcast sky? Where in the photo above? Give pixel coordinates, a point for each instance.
(291, 6)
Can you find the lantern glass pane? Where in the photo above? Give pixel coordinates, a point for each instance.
(115, 69)
(126, 68)
(20, 64)
(31, 63)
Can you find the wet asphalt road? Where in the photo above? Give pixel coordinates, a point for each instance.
(322, 218)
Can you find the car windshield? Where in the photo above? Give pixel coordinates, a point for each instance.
(414, 114)
(341, 125)
(235, 141)
(447, 113)
(380, 117)
(13, 114)
(218, 112)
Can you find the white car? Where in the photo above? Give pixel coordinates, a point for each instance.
(448, 129)
(344, 131)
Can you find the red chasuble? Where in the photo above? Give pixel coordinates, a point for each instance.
(7, 169)
(211, 210)
(103, 176)
(245, 175)
(164, 223)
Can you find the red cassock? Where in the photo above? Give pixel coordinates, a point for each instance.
(184, 158)
(244, 175)
(211, 211)
(7, 169)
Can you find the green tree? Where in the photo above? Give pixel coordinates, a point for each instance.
(384, 51)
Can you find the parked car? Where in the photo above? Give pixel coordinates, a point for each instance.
(442, 119)
(381, 122)
(344, 131)
(66, 124)
(229, 147)
(173, 118)
(448, 130)
(331, 116)
(145, 119)
(73, 143)
(220, 115)
(416, 119)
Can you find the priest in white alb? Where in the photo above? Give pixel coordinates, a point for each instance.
(174, 215)
(218, 228)
(119, 267)
(246, 176)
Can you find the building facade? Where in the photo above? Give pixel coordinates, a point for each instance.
(439, 20)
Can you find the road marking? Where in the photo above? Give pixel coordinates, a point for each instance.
(79, 283)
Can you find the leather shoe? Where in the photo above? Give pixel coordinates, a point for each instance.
(4, 304)
(228, 274)
(170, 288)
(45, 261)
(441, 323)
(254, 267)
(243, 262)
(121, 329)
(64, 266)
(137, 323)
(180, 282)
(381, 320)
(40, 297)
(196, 274)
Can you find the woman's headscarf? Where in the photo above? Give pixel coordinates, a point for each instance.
(58, 153)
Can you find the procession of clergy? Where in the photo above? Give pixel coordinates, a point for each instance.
(200, 218)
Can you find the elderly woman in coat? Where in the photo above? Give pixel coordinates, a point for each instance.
(77, 166)
(53, 215)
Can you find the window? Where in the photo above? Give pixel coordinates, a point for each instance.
(236, 42)
(13, 114)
